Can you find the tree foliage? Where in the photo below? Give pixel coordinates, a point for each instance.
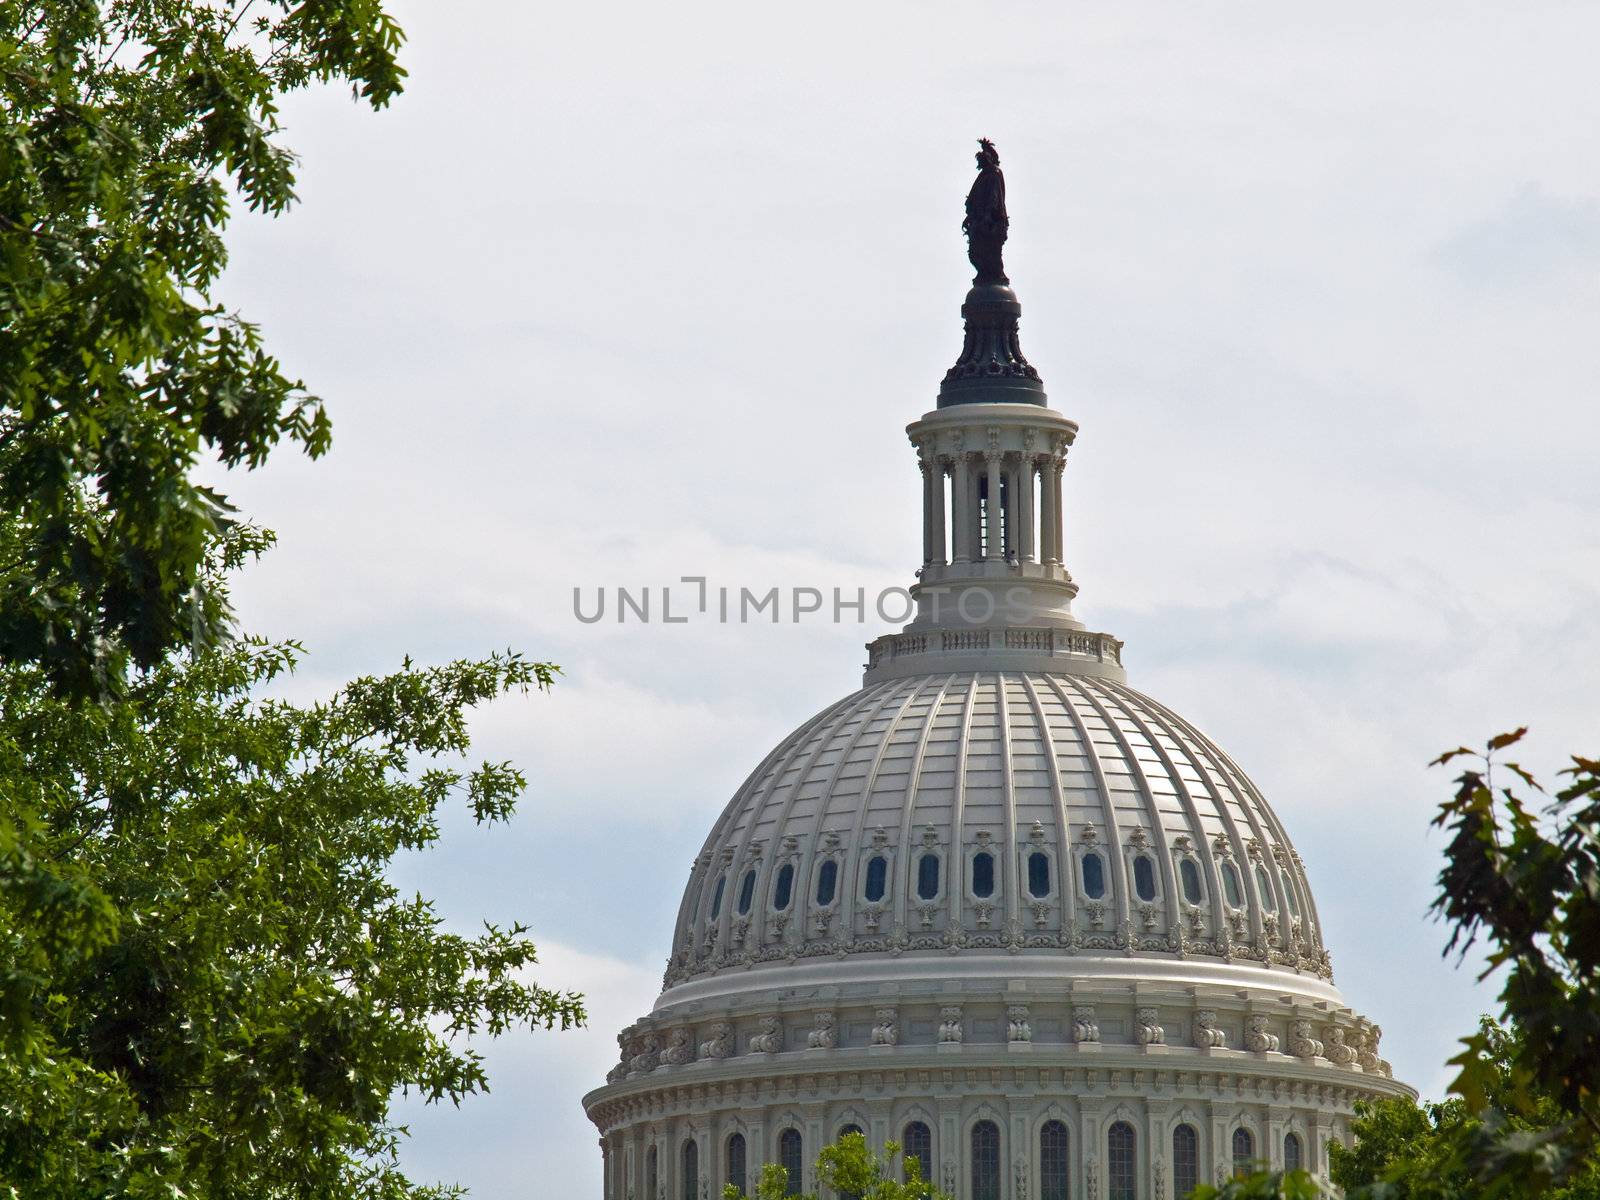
(1524, 1121)
(215, 990)
(849, 1168)
(125, 128)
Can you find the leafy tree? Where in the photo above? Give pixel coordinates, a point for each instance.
(126, 127)
(1525, 1117)
(849, 1168)
(241, 990)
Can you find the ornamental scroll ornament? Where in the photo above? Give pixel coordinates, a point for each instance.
(1018, 1028)
(1084, 1028)
(1207, 1034)
(1148, 1031)
(680, 1047)
(649, 1056)
(770, 1039)
(1301, 1043)
(824, 1036)
(886, 1031)
(1258, 1037)
(1339, 1052)
(720, 1043)
(950, 1024)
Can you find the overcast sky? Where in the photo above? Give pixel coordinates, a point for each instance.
(620, 293)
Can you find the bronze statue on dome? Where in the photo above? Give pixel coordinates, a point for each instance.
(986, 224)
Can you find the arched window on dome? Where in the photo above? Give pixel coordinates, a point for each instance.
(827, 883)
(1264, 885)
(1189, 879)
(1094, 875)
(877, 880)
(1244, 1151)
(1038, 874)
(983, 874)
(928, 876)
(1055, 1171)
(1288, 894)
(747, 891)
(985, 1161)
(783, 887)
(1292, 1157)
(916, 1143)
(736, 1162)
(652, 1173)
(1122, 1176)
(1144, 877)
(716, 897)
(791, 1158)
(1185, 1160)
(1231, 888)
(691, 1170)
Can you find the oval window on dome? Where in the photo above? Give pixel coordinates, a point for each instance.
(747, 891)
(1230, 885)
(1264, 886)
(983, 875)
(877, 878)
(1094, 876)
(783, 889)
(928, 876)
(827, 882)
(1038, 874)
(1189, 877)
(716, 896)
(1288, 894)
(1144, 878)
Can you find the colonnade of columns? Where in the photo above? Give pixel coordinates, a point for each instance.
(992, 502)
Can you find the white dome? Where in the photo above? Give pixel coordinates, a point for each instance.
(1052, 816)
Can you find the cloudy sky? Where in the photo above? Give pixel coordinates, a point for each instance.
(621, 293)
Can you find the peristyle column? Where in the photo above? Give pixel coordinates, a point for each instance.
(964, 517)
(993, 548)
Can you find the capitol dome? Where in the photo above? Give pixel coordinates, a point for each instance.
(996, 906)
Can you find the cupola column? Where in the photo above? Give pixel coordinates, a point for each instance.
(1053, 467)
(1025, 552)
(939, 554)
(927, 509)
(965, 519)
(993, 546)
(1049, 551)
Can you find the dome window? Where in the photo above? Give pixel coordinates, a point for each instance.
(1122, 1172)
(877, 878)
(827, 883)
(691, 1170)
(1288, 894)
(1144, 878)
(1185, 1159)
(736, 1161)
(1230, 885)
(1038, 874)
(716, 897)
(916, 1146)
(928, 876)
(747, 891)
(983, 875)
(1264, 886)
(783, 889)
(1189, 877)
(985, 1161)
(1054, 1166)
(1291, 1152)
(791, 1156)
(1244, 1152)
(1094, 876)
